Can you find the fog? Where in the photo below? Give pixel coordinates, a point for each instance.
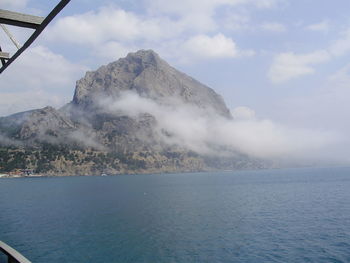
(205, 132)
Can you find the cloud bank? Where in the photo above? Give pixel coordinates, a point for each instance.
(288, 65)
(111, 30)
(207, 133)
(217, 46)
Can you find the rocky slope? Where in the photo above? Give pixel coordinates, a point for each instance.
(147, 74)
(87, 136)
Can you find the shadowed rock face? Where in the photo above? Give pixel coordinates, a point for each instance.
(151, 77)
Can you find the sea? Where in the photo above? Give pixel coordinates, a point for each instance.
(282, 215)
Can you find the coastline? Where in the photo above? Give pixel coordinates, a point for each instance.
(34, 175)
(125, 172)
(20, 175)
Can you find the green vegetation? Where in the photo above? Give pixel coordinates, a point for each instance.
(43, 159)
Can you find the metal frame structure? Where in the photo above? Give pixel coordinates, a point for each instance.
(13, 255)
(27, 21)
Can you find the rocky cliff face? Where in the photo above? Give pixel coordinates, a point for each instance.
(45, 122)
(149, 76)
(85, 137)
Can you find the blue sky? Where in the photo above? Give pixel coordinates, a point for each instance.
(285, 61)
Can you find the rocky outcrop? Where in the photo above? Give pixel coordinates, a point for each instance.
(45, 122)
(149, 76)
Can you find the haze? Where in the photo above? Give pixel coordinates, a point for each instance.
(282, 66)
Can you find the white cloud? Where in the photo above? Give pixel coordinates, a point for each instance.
(286, 66)
(321, 27)
(212, 47)
(111, 23)
(108, 23)
(341, 46)
(199, 14)
(183, 30)
(207, 7)
(37, 78)
(243, 113)
(113, 50)
(13, 102)
(273, 27)
(111, 26)
(217, 46)
(341, 78)
(266, 139)
(325, 108)
(268, 3)
(195, 14)
(203, 132)
(185, 7)
(235, 21)
(39, 67)
(13, 4)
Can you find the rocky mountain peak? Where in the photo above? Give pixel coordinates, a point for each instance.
(146, 74)
(111, 79)
(145, 58)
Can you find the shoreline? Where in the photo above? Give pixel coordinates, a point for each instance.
(21, 176)
(6, 176)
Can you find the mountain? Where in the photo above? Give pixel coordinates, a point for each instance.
(147, 74)
(113, 124)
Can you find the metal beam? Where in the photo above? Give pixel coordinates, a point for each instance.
(4, 55)
(3, 61)
(13, 255)
(18, 19)
(37, 32)
(14, 41)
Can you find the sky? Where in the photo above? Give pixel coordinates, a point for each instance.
(283, 61)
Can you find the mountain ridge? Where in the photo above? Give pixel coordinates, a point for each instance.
(104, 137)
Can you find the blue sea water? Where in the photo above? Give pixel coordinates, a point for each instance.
(287, 215)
